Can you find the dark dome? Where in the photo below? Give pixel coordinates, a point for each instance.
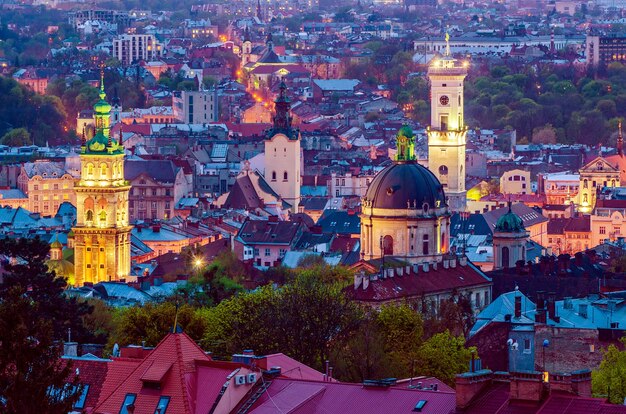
(510, 223)
(406, 182)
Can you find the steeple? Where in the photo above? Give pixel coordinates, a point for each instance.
(259, 14)
(102, 140)
(405, 143)
(620, 140)
(246, 34)
(270, 42)
(282, 117)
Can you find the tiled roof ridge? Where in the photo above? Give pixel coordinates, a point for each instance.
(181, 373)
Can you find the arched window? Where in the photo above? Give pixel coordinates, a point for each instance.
(585, 183)
(285, 176)
(273, 175)
(89, 217)
(505, 257)
(387, 245)
(425, 249)
(90, 170)
(103, 170)
(443, 170)
(103, 218)
(612, 183)
(585, 199)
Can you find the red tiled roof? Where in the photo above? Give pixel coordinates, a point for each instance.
(248, 129)
(406, 286)
(289, 367)
(177, 351)
(91, 372)
(307, 397)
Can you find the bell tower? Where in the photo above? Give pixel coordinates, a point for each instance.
(447, 131)
(246, 47)
(102, 233)
(283, 153)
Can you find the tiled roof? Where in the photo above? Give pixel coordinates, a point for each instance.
(340, 222)
(289, 367)
(304, 397)
(176, 354)
(529, 216)
(418, 283)
(162, 171)
(266, 232)
(45, 169)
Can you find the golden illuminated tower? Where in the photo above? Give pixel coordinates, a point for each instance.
(102, 233)
(447, 131)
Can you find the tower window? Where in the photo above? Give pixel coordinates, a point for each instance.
(443, 170)
(505, 257)
(285, 176)
(444, 122)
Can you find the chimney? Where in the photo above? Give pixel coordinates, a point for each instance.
(453, 263)
(527, 386)
(400, 271)
(156, 228)
(463, 261)
(518, 306)
(446, 263)
(425, 267)
(470, 384)
(407, 270)
(541, 304)
(581, 383)
(552, 305)
(70, 349)
(416, 268)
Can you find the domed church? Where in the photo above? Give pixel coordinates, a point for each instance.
(404, 212)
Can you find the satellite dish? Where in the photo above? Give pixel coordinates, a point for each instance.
(116, 350)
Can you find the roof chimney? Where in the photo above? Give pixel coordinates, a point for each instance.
(425, 267)
(518, 306)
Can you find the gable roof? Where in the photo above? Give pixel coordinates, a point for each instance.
(268, 232)
(162, 171)
(170, 364)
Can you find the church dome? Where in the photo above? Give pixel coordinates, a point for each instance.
(405, 183)
(509, 223)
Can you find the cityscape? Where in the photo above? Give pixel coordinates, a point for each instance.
(312, 207)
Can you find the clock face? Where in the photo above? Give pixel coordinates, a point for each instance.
(444, 100)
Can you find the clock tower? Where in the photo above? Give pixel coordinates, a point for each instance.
(447, 131)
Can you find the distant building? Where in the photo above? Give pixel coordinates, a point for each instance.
(602, 50)
(265, 242)
(341, 185)
(47, 184)
(515, 182)
(33, 78)
(594, 176)
(130, 48)
(195, 107)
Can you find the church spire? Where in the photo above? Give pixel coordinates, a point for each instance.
(282, 117)
(259, 13)
(620, 140)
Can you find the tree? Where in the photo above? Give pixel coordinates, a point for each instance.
(34, 314)
(443, 356)
(609, 380)
(151, 322)
(544, 135)
(17, 137)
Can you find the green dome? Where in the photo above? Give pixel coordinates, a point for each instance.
(510, 223)
(102, 106)
(56, 245)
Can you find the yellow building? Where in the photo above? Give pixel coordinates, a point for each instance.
(404, 212)
(593, 177)
(102, 233)
(515, 182)
(47, 184)
(447, 131)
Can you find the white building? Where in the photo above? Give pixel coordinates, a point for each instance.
(131, 48)
(195, 107)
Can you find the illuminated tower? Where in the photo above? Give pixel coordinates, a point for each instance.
(283, 154)
(102, 233)
(246, 47)
(447, 131)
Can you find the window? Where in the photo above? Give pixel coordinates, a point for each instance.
(267, 252)
(337, 181)
(162, 405)
(46, 186)
(585, 184)
(256, 252)
(477, 301)
(285, 176)
(443, 170)
(55, 186)
(505, 257)
(527, 346)
(425, 244)
(273, 175)
(343, 181)
(602, 230)
(167, 193)
(444, 122)
(128, 400)
(154, 191)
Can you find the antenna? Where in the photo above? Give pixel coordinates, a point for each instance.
(175, 318)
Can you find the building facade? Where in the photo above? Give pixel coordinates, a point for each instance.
(602, 50)
(102, 233)
(515, 182)
(195, 107)
(509, 241)
(447, 131)
(283, 153)
(129, 48)
(47, 184)
(593, 177)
